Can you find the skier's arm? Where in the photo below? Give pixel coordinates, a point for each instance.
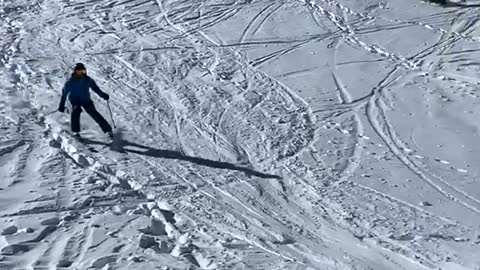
(97, 90)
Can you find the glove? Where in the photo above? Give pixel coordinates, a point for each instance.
(61, 109)
(105, 96)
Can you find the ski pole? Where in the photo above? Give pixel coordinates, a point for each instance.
(111, 114)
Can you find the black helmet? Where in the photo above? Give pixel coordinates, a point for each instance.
(79, 66)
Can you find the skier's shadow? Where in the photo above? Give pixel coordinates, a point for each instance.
(120, 145)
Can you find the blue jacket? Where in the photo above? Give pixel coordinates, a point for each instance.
(78, 90)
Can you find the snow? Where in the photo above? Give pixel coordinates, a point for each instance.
(292, 134)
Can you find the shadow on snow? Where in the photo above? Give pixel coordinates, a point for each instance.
(119, 144)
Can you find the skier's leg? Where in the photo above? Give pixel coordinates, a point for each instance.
(90, 109)
(75, 118)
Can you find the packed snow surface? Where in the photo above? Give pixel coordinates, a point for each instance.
(251, 134)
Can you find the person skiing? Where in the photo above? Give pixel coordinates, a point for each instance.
(77, 88)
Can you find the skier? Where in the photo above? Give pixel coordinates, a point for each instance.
(77, 88)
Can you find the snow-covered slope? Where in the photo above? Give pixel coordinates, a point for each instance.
(287, 134)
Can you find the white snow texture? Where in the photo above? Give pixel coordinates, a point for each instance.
(251, 134)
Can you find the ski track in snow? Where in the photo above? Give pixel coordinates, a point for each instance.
(221, 163)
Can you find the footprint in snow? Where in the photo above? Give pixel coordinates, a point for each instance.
(50, 221)
(101, 262)
(14, 249)
(10, 230)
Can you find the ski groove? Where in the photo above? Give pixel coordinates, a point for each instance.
(252, 22)
(374, 109)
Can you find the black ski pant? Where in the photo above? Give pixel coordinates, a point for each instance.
(90, 109)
